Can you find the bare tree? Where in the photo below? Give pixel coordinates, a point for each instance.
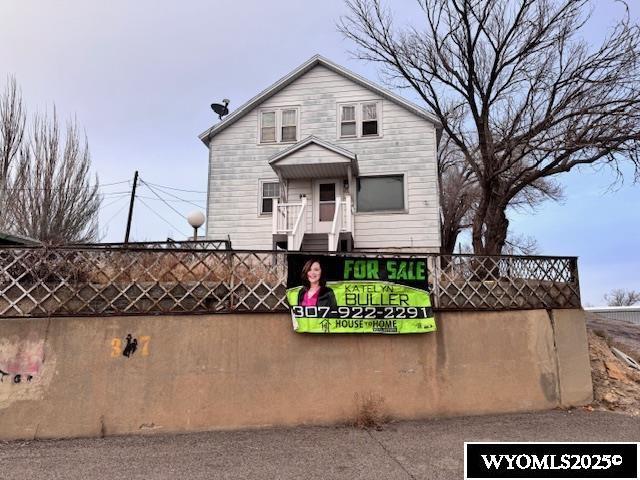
(536, 100)
(622, 298)
(12, 126)
(458, 194)
(518, 244)
(51, 198)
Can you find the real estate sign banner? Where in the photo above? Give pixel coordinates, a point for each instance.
(336, 294)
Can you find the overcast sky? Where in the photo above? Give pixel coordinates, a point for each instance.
(139, 77)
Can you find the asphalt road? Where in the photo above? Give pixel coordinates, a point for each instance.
(430, 449)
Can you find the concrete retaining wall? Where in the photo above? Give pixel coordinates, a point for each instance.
(65, 377)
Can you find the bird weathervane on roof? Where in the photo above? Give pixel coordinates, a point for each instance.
(220, 109)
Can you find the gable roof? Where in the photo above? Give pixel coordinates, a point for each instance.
(312, 139)
(337, 164)
(297, 73)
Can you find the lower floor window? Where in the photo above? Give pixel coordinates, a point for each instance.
(270, 191)
(381, 193)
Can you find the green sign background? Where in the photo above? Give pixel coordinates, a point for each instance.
(391, 300)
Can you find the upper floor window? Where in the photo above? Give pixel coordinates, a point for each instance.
(279, 125)
(268, 127)
(348, 121)
(359, 119)
(369, 119)
(289, 125)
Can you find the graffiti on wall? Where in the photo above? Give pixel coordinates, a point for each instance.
(17, 378)
(21, 361)
(24, 375)
(129, 346)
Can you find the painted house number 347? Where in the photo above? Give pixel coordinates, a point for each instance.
(117, 346)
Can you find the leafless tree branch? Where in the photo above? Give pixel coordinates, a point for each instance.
(537, 100)
(50, 197)
(622, 298)
(12, 127)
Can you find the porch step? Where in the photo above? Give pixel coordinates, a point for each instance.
(315, 242)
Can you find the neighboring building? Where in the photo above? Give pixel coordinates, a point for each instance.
(627, 314)
(9, 239)
(325, 160)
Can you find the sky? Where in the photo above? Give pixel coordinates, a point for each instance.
(139, 78)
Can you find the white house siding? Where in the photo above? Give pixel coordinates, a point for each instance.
(407, 145)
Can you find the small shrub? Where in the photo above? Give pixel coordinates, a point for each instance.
(370, 411)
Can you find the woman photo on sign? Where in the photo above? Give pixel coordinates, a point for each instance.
(314, 291)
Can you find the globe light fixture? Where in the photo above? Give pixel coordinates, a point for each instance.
(195, 219)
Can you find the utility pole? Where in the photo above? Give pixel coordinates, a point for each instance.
(133, 196)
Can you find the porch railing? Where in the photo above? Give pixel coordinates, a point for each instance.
(290, 219)
(347, 215)
(294, 239)
(73, 281)
(336, 227)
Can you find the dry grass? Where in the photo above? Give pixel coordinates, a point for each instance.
(371, 411)
(187, 267)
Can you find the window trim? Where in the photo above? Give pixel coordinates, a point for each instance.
(275, 125)
(359, 119)
(355, 119)
(283, 126)
(261, 182)
(405, 193)
(377, 119)
(278, 111)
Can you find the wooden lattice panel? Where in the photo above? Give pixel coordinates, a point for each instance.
(42, 282)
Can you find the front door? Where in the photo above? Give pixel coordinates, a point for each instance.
(324, 203)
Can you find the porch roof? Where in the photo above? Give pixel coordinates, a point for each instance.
(313, 157)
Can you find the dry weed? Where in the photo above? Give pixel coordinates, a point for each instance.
(371, 411)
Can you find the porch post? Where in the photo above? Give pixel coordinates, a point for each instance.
(274, 216)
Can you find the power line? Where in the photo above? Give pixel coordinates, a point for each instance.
(115, 193)
(163, 200)
(114, 201)
(178, 189)
(176, 197)
(168, 200)
(114, 183)
(162, 218)
(80, 187)
(106, 224)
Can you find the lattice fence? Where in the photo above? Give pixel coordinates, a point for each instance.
(41, 282)
(504, 283)
(188, 244)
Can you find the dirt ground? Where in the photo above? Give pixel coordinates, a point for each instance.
(620, 334)
(616, 386)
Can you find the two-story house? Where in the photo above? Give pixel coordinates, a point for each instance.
(324, 159)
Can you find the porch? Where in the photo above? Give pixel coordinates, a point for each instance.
(290, 226)
(314, 211)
